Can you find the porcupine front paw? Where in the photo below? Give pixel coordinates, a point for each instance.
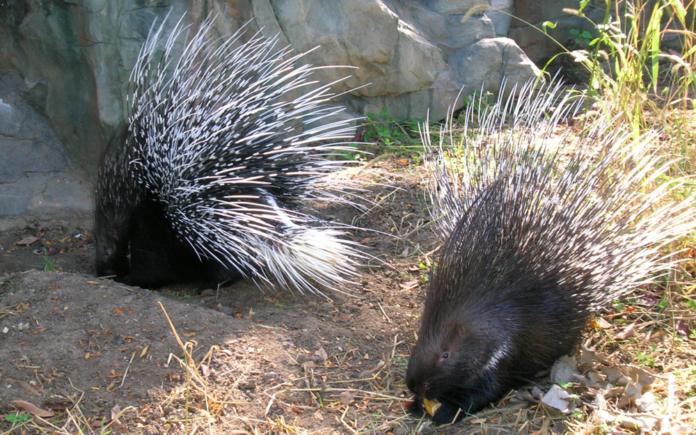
(415, 408)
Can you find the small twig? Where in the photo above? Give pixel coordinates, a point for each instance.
(344, 422)
(351, 390)
(385, 314)
(270, 402)
(125, 374)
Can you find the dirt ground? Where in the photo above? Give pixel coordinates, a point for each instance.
(279, 361)
(94, 356)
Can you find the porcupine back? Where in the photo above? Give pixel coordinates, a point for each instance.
(213, 166)
(540, 230)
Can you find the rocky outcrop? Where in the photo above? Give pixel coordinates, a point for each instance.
(38, 179)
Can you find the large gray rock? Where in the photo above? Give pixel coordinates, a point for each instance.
(38, 179)
(487, 62)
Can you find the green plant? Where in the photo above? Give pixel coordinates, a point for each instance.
(628, 43)
(48, 264)
(645, 359)
(582, 38)
(401, 138)
(17, 418)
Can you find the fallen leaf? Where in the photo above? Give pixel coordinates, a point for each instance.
(27, 241)
(627, 332)
(563, 370)
(33, 409)
(600, 323)
(321, 353)
(646, 402)
(644, 423)
(557, 398)
(346, 398)
(28, 388)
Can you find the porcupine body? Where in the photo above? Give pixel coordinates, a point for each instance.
(205, 181)
(539, 232)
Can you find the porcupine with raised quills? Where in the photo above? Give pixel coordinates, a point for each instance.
(205, 180)
(539, 232)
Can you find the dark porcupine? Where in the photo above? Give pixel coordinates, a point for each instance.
(206, 180)
(539, 231)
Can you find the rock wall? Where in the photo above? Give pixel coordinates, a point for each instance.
(74, 57)
(39, 182)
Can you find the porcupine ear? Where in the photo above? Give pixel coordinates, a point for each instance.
(456, 333)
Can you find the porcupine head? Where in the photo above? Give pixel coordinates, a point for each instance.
(110, 243)
(456, 361)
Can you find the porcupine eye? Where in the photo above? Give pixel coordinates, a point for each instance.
(445, 355)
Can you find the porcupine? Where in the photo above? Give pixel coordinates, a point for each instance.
(204, 182)
(539, 233)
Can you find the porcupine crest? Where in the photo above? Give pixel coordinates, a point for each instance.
(534, 242)
(213, 144)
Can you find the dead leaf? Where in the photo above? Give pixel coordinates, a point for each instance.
(627, 332)
(644, 423)
(27, 241)
(646, 402)
(563, 370)
(683, 329)
(321, 353)
(33, 409)
(557, 398)
(600, 323)
(28, 388)
(657, 337)
(612, 373)
(604, 417)
(641, 375)
(346, 398)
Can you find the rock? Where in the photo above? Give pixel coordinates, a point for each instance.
(489, 61)
(37, 176)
